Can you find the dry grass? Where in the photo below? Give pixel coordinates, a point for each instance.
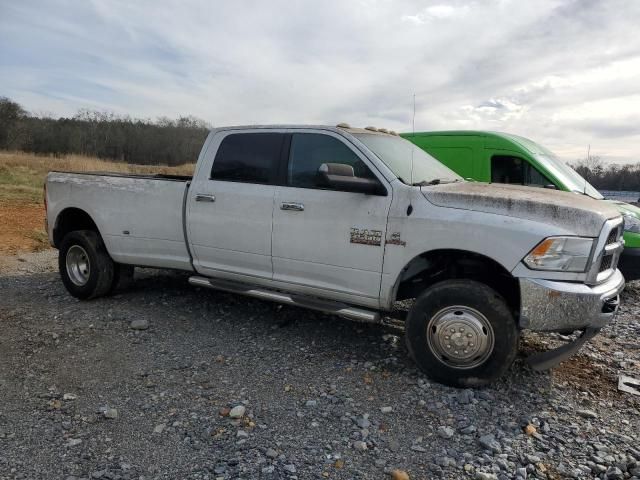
(22, 175)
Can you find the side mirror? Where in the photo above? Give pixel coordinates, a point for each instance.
(341, 177)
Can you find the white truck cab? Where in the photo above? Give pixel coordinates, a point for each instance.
(350, 221)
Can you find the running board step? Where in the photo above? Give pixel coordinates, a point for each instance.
(335, 308)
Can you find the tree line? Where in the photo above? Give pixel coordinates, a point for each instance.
(104, 135)
(611, 176)
(175, 142)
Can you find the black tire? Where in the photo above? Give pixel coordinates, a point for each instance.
(99, 275)
(122, 277)
(434, 309)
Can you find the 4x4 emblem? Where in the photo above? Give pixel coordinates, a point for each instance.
(395, 239)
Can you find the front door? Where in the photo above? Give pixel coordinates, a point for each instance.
(231, 207)
(328, 242)
(516, 171)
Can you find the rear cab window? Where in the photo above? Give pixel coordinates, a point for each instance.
(248, 158)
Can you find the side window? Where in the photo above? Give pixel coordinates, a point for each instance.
(310, 150)
(515, 170)
(535, 178)
(506, 169)
(248, 158)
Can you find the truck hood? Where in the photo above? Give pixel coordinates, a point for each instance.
(579, 214)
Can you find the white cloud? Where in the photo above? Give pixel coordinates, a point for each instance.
(563, 72)
(436, 12)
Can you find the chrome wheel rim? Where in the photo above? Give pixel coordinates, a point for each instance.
(460, 337)
(78, 265)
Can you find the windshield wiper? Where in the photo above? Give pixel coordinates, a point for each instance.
(424, 183)
(435, 181)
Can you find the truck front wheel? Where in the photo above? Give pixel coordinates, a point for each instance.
(85, 266)
(462, 333)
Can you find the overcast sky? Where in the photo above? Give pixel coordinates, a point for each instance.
(561, 72)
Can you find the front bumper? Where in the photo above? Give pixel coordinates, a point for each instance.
(553, 306)
(629, 263)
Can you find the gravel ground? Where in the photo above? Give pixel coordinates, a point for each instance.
(146, 384)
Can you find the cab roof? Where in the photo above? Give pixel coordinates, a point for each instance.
(337, 128)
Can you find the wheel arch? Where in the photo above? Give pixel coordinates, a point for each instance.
(71, 219)
(434, 266)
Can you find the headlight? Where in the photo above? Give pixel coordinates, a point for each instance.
(561, 254)
(631, 223)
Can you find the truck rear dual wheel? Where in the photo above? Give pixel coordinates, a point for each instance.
(86, 268)
(462, 333)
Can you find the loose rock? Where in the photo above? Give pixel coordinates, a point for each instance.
(490, 443)
(587, 413)
(111, 413)
(237, 412)
(140, 324)
(399, 475)
(360, 445)
(445, 432)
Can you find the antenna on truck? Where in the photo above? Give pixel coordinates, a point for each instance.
(413, 129)
(584, 192)
(413, 122)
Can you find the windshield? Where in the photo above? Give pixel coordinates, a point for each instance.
(397, 154)
(567, 175)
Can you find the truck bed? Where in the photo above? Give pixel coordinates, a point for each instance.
(140, 217)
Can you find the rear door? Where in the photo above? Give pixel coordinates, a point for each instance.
(230, 205)
(328, 242)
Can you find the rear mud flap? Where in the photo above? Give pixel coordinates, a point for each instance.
(550, 358)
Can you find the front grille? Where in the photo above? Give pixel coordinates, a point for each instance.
(609, 247)
(613, 236)
(607, 260)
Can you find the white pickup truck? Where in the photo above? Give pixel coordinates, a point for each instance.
(350, 221)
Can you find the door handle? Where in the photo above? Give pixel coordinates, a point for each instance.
(202, 197)
(297, 207)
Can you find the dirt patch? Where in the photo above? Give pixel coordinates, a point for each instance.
(22, 228)
(579, 371)
(584, 374)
